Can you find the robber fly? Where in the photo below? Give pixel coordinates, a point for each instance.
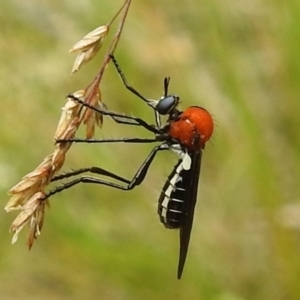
(185, 133)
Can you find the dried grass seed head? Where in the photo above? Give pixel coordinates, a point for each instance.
(88, 46)
(32, 213)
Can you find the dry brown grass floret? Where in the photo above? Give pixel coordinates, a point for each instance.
(29, 194)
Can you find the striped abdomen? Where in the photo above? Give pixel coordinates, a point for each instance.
(171, 201)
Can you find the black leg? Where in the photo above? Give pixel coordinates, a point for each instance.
(125, 82)
(126, 121)
(137, 179)
(94, 170)
(114, 115)
(150, 102)
(99, 141)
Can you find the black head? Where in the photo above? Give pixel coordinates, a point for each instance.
(167, 105)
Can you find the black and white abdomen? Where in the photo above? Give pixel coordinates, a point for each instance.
(171, 203)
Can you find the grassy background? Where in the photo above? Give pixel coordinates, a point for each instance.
(240, 60)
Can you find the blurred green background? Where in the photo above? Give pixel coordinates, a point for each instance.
(238, 59)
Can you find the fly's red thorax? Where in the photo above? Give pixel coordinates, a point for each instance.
(193, 128)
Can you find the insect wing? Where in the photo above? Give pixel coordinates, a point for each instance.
(191, 178)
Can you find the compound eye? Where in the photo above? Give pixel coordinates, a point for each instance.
(167, 104)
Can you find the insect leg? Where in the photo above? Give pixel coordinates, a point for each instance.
(125, 82)
(94, 170)
(150, 102)
(136, 180)
(99, 141)
(124, 119)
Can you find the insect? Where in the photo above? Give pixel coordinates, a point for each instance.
(185, 133)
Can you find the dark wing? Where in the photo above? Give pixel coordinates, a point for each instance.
(190, 180)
